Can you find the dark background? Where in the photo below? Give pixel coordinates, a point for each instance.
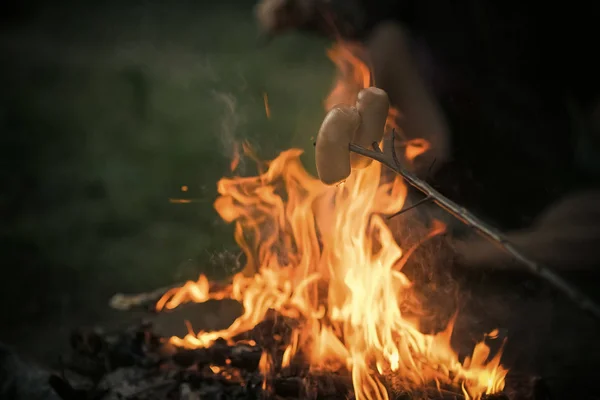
(106, 110)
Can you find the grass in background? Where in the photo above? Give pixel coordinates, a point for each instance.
(106, 113)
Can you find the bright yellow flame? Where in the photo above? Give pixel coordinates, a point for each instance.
(264, 366)
(325, 256)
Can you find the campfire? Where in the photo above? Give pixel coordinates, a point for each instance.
(324, 260)
(328, 311)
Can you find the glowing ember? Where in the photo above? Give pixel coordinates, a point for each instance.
(325, 256)
(267, 108)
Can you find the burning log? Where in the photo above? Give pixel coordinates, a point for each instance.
(147, 300)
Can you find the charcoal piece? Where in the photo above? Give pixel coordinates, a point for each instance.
(122, 377)
(219, 352)
(127, 349)
(96, 352)
(238, 393)
(187, 393)
(141, 341)
(442, 394)
(322, 386)
(64, 390)
(272, 332)
(91, 367)
(245, 357)
(430, 396)
(223, 376)
(158, 388)
(87, 341)
(186, 358)
(77, 381)
(122, 355)
(299, 366)
(288, 387)
(254, 384)
(150, 361)
(332, 384)
(212, 392)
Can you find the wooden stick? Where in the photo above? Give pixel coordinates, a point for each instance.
(126, 302)
(147, 300)
(389, 158)
(424, 200)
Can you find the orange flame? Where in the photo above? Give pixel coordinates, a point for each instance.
(264, 366)
(295, 247)
(235, 159)
(415, 147)
(354, 74)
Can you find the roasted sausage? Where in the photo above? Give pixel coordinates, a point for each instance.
(373, 106)
(332, 147)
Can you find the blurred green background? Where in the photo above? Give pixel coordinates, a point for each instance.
(106, 110)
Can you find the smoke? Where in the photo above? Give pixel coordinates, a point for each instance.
(230, 126)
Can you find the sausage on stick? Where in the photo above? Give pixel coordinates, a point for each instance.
(373, 105)
(332, 152)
